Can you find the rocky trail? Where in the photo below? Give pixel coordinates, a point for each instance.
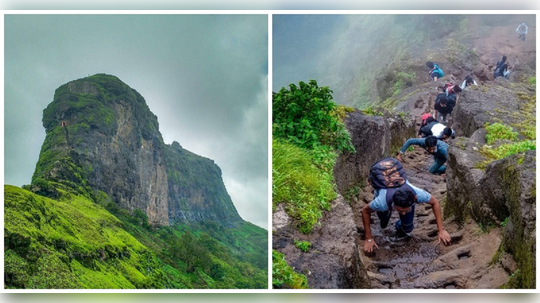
(503, 196)
(418, 261)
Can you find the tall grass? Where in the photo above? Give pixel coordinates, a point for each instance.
(303, 180)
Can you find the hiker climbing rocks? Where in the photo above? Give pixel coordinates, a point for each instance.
(522, 31)
(426, 119)
(432, 145)
(439, 130)
(444, 106)
(501, 69)
(435, 71)
(392, 191)
(452, 92)
(450, 89)
(467, 82)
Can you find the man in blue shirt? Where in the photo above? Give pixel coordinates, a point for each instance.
(403, 201)
(437, 148)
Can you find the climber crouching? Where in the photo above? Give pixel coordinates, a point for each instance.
(432, 145)
(392, 191)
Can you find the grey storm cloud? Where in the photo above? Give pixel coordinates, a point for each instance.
(203, 76)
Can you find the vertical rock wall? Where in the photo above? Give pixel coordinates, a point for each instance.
(373, 137)
(115, 147)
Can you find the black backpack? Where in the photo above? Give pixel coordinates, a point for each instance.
(388, 174)
(499, 70)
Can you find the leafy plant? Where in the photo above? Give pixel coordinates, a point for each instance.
(498, 131)
(403, 79)
(284, 275)
(370, 111)
(341, 112)
(353, 191)
(305, 115)
(504, 151)
(302, 245)
(303, 180)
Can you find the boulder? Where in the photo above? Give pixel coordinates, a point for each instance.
(373, 137)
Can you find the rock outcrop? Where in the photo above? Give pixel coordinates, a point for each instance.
(373, 137)
(102, 137)
(333, 261)
(503, 194)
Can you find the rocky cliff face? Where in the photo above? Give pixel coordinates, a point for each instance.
(373, 137)
(504, 192)
(102, 137)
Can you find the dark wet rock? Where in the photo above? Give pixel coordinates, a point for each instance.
(503, 194)
(489, 103)
(333, 261)
(373, 137)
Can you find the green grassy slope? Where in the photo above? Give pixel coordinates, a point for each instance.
(73, 242)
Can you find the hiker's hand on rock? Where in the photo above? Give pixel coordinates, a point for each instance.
(444, 236)
(369, 244)
(399, 157)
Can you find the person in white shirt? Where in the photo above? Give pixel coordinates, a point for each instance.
(522, 31)
(468, 82)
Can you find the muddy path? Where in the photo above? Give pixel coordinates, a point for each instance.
(418, 261)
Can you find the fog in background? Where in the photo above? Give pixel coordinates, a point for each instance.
(332, 49)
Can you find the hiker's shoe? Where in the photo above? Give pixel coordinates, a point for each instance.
(400, 234)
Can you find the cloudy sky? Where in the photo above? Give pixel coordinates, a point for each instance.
(204, 76)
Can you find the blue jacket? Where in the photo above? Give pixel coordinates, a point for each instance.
(441, 152)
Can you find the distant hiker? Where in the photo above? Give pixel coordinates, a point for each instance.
(426, 119)
(452, 92)
(392, 192)
(501, 69)
(450, 89)
(439, 130)
(522, 31)
(435, 71)
(443, 106)
(432, 145)
(468, 82)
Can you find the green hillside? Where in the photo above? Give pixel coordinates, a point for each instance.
(74, 242)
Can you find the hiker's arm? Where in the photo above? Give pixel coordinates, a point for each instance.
(369, 243)
(436, 207)
(412, 141)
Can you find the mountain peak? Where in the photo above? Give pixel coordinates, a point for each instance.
(102, 137)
